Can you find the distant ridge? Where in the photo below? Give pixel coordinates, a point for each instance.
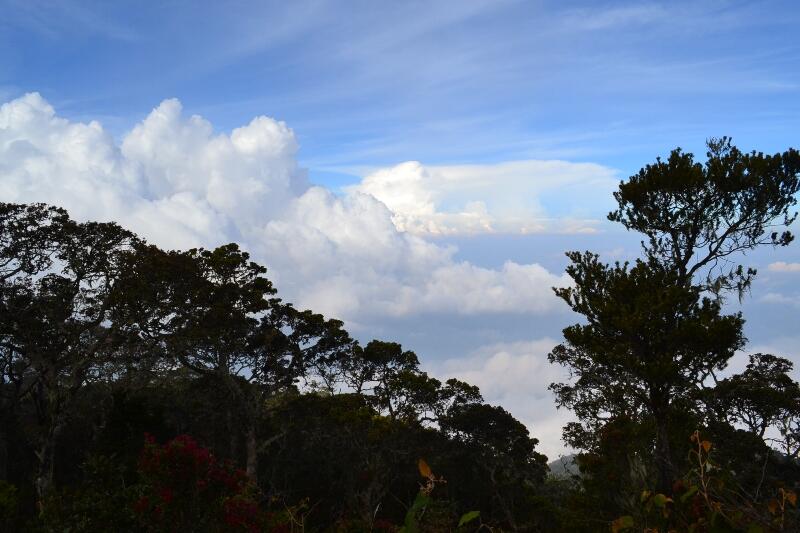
(564, 466)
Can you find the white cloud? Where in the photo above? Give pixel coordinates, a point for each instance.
(344, 255)
(782, 266)
(497, 198)
(516, 376)
(242, 176)
(778, 298)
(171, 179)
(180, 184)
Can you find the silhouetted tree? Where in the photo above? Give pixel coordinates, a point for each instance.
(695, 217)
(58, 283)
(646, 343)
(761, 396)
(650, 335)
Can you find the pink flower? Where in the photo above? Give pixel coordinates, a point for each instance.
(141, 505)
(166, 495)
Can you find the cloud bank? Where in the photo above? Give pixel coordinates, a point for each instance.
(179, 183)
(497, 198)
(171, 179)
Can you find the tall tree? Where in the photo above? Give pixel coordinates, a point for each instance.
(28, 240)
(651, 334)
(647, 341)
(59, 278)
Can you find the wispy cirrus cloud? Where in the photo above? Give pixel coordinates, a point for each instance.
(54, 20)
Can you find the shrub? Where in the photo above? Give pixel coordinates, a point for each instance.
(184, 487)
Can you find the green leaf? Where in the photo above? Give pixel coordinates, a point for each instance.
(660, 500)
(689, 493)
(410, 524)
(468, 517)
(622, 523)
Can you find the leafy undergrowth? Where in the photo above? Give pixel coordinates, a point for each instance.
(707, 499)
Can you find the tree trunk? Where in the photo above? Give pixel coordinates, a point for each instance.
(233, 434)
(46, 456)
(252, 452)
(663, 456)
(3, 454)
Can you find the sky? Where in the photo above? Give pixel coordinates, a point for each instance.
(415, 168)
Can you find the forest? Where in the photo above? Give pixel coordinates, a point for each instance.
(174, 390)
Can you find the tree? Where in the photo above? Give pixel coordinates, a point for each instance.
(764, 399)
(694, 217)
(495, 443)
(760, 397)
(198, 309)
(59, 279)
(653, 331)
(284, 346)
(392, 375)
(29, 237)
(647, 342)
(214, 313)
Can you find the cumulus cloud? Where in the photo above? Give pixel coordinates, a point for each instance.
(171, 179)
(346, 256)
(516, 375)
(176, 181)
(499, 198)
(782, 266)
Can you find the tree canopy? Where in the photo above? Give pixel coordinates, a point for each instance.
(105, 338)
(646, 358)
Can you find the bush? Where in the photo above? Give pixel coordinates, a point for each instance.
(180, 486)
(184, 487)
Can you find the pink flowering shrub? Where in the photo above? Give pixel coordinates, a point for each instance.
(185, 488)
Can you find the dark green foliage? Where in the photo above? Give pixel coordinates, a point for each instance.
(648, 344)
(645, 361)
(694, 216)
(265, 417)
(106, 338)
(102, 501)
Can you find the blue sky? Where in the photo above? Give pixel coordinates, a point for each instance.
(369, 83)
(522, 115)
